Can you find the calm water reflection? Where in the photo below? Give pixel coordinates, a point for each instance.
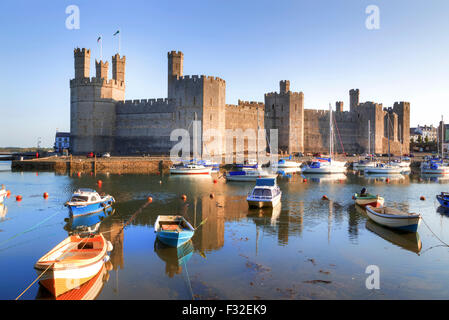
(237, 253)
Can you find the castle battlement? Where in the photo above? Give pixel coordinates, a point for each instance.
(81, 51)
(283, 94)
(175, 53)
(146, 102)
(94, 81)
(196, 78)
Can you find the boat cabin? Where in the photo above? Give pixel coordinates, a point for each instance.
(85, 195)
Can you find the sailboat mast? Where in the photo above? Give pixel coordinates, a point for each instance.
(331, 133)
(442, 137)
(388, 130)
(257, 139)
(400, 136)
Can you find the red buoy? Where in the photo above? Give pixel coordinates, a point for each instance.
(387, 180)
(422, 198)
(325, 197)
(45, 195)
(8, 193)
(79, 174)
(19, 198)
(149, 199)
(304, 180)
(215, 180)
(184, 197)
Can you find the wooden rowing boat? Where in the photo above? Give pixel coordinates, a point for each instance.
(72, 263)
(394, 218)
(173, 230)
(375, 201)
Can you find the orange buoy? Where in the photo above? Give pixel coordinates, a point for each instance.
(304, 180)
(324, 197)
(45, 195)
(184, 197)
(79, 174)
(149, 199)
(19, 198)
(387, 180)
(215, 180)
(422, 198)
(8, 193)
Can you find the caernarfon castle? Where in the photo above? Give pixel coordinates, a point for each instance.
(103, 121)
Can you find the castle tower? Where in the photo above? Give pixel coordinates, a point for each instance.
(118, 68)
(284, 111)
(101, 69)
(353, 99)
(82, 63)
(402, 109)
(175, 69)
(339, 106)
(284, 86)
(93, 102)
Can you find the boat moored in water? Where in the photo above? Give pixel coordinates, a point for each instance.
(88, 201)
(3, 194)
(394, 218)
(443, 199)
(173, 230)
(190, 169)
(325, 165)
(434, 167)
(248, 175)
(266, 193)
(375, 201)
(72, 263)
(383, 168)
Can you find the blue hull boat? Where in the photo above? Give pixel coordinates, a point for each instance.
(173, 230)
(443, 199)
(88, 201)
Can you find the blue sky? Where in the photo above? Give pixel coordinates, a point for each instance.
(322, 47)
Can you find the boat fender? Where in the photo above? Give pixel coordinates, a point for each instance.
(106, 258)
(110, 247)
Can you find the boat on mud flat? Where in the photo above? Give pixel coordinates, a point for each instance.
(190, 169)
(266, 193)
(173, 230)
(443, 199)
(88, 201)
(375, 201)
(394, 218)
(72, 263)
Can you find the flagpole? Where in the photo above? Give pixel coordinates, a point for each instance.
(119, 40)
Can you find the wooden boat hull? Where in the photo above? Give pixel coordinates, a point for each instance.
(177, 236)
(67, 266)
(375, 201)
(81, 210)
(174, 239)
(405, 223)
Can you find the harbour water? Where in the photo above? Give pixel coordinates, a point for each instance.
(308, 248)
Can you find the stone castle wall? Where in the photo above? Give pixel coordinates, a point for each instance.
(101, 121)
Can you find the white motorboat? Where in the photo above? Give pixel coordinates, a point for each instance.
(249, 175)
(86, 201)
(384, 168)
(325, 165)
(288, 163)
(363, 164)
(266, 193)
(190, 169)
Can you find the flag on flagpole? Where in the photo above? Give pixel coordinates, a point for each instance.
(118, 31)
(99, 38)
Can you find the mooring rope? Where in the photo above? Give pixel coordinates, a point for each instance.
(188, 281)
(434, 233)
(51, 265)
(29, 229)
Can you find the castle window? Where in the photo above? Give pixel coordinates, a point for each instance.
(295, 107)
(194, 101)
(210, 117)
(272, 107)
(210, 101)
